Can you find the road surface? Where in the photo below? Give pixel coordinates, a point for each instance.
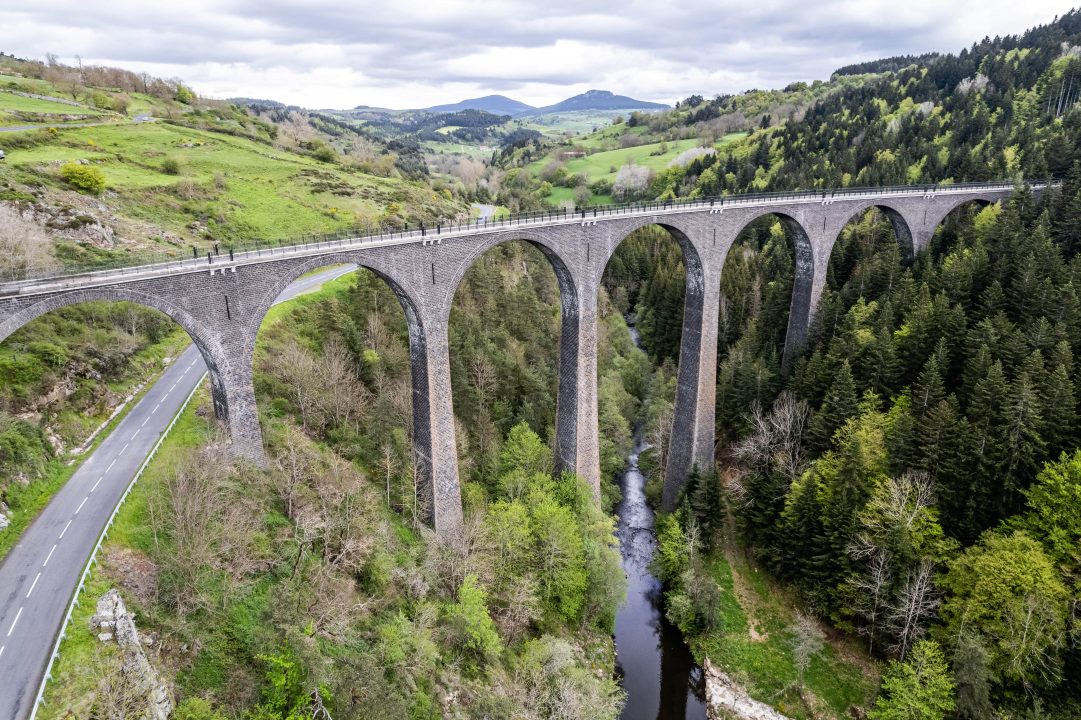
(40, 574)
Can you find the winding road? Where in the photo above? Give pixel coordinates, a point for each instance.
(40, 574)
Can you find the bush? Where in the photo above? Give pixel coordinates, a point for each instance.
(84, 178)
(170, 166)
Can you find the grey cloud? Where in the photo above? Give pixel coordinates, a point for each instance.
(424, 44)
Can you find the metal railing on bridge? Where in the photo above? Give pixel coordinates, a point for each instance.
(191, 258)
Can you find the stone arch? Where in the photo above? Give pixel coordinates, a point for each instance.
(283, 280)
(678, 230)
(806, 284)
(568, 287)
(425, 415)
(691, 439)
(902, 230)
(938, 209)
(571, 431)
(214, 355)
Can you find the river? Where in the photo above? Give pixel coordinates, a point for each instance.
(658, 670)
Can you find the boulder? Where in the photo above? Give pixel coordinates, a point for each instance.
(116, 624)
(726, 699)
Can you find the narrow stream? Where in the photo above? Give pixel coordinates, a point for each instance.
(658, 671)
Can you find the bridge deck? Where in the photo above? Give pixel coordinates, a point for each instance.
(222, 263)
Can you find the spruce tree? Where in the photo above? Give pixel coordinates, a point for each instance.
(839, 404)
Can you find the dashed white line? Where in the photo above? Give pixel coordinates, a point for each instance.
(111, 465)
(33, 585)
(50, 557)
(12, 628)
(136, 434)
(123, 449)
(1, 651)
(155, 408)
(81, 504)
(97, 483)
(145, 421)
(64, 530)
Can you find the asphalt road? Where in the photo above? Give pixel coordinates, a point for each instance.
(40, 574)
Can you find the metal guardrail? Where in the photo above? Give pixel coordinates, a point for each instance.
(254, 252)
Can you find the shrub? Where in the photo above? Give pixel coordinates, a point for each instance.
(84, 178)
(170, 166)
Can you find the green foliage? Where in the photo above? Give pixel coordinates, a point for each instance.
(85, 178)
(917, 689)
(184, 94)
(469, 620)
(196, 708)
(170, 166)
(1006, 591)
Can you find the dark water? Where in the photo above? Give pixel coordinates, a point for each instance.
(658, 671)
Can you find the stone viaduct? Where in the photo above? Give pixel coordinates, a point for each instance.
(222, 302)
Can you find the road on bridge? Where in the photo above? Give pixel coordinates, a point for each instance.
(40, 574)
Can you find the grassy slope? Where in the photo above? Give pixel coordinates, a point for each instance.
(10, 103)
(267, 193)
(599, 165)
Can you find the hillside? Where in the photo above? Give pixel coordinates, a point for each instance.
(495, 104)
(892, 527)
(597, 100)
(175, 174)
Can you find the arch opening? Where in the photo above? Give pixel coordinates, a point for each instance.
(348, 364)
(766, 302)
(66, 364)
(948, 228)
(513, 359)
(651, 292)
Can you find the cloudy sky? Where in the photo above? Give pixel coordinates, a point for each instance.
(415, 53)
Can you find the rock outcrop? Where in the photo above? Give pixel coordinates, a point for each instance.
(114, 623)
(726, 699)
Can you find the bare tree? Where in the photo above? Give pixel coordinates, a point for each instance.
(1033, 639)
(872, 592)
(915, 604)
(776, 437)
(807, 642)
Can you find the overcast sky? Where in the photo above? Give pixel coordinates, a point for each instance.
(415, 53)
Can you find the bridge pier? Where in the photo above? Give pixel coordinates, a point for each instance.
(692, 440)
(435, 451)
(581, 408)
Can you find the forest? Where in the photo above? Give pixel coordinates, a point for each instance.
(914, 481)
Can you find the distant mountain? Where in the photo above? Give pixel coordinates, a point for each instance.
(494, 104)
(597, 100)
(248, 102)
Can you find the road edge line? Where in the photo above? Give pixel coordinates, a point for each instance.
(39, 700)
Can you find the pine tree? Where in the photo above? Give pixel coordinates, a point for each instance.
(840, 404)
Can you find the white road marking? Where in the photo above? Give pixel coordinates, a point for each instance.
(81, 504)
(123, 449)
(97, 483)
(136, 433)
(50, 557)
(111, 465)
(33, 585)
(145, 421)
(155, 408)
(1, 651)
(64, 530)
(12, 628)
